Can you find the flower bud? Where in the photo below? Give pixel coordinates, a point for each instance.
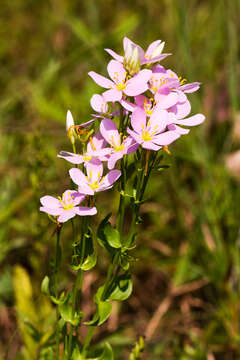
(132, 59)
(70, 127)
(158, 50)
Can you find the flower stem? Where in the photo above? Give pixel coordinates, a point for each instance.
(57, 263)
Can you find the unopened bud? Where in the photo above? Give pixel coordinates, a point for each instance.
(70, 127)
(158, 50)
(132, 59)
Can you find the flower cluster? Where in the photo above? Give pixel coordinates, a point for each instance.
(144, 106)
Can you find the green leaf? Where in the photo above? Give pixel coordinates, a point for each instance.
(103, 309)
(101, 237)
(66, 313)
(112, 236)
(122, 287)
(45, 285)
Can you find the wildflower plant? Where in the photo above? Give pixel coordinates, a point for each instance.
(144, 110)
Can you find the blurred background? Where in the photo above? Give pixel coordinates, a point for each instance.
(187, 277)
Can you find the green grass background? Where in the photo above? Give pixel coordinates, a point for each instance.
(191, 223)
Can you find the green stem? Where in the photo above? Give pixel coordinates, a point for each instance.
(57, 263)
(78, 281)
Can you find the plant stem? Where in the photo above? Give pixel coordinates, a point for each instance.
(57, 263)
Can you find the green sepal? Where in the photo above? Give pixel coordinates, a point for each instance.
(121, 288)
(103, 309)
(162, 167)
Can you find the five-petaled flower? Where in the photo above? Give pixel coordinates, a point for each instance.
(67, 206)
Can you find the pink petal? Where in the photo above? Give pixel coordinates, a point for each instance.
(109, 179)
(71, 157)
(50, 202)
(112, 95)
(138, 84)
(85, 211)
(150, 146)
(166, 138)
(189, 88)
(94, 170)
(127, 41)
(135, 136)
(152, 47)
(98, 103)
(110, 133)
(155, 59)
(114, 55)
(86, 124)
(116, 71)
(98, 142)
(166, 101)
(127, 105)
(53, 212)
(101, 80)
(178, 129)
(138, 120)
(85, 189)
(78, 177)
(181, 110)
(114, 158)
(192, 120)
(158, 120)
(66, 215)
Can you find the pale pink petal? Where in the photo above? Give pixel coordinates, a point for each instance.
(114, 158)
(181, 110)
(85, 189)
(166, 138)
(112, 95)
(114, 55)
(116, 71)
(138, 120)
(155, 59)
(192, 120)
(78, 177)
(189, 88)
(109, 179)
(86, 124)
(71, 157)
(97, 143)
(74, 195)
(138, 84)
(166, 101)
(110, 133)
(98, 103)
(127, 42)
(149, 145)
(94, 170)
(178, 129)
(85, 211)
(158, 120)
(50, 211)
(128, 106)
(50, 202)
(66, 215)
(101, 80)
(135, 136)
(152, 47)
(140, 99)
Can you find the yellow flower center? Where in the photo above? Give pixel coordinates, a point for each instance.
(94, 185)
(119, 148)
(67, 204)
(121, 86)
(87, 158)
(146, 136)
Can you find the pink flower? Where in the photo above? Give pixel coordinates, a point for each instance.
(67, 206)
(119, 148)
(153, 53)
(95, 149)
(119, 84)
(94, 181)
(151, 134)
